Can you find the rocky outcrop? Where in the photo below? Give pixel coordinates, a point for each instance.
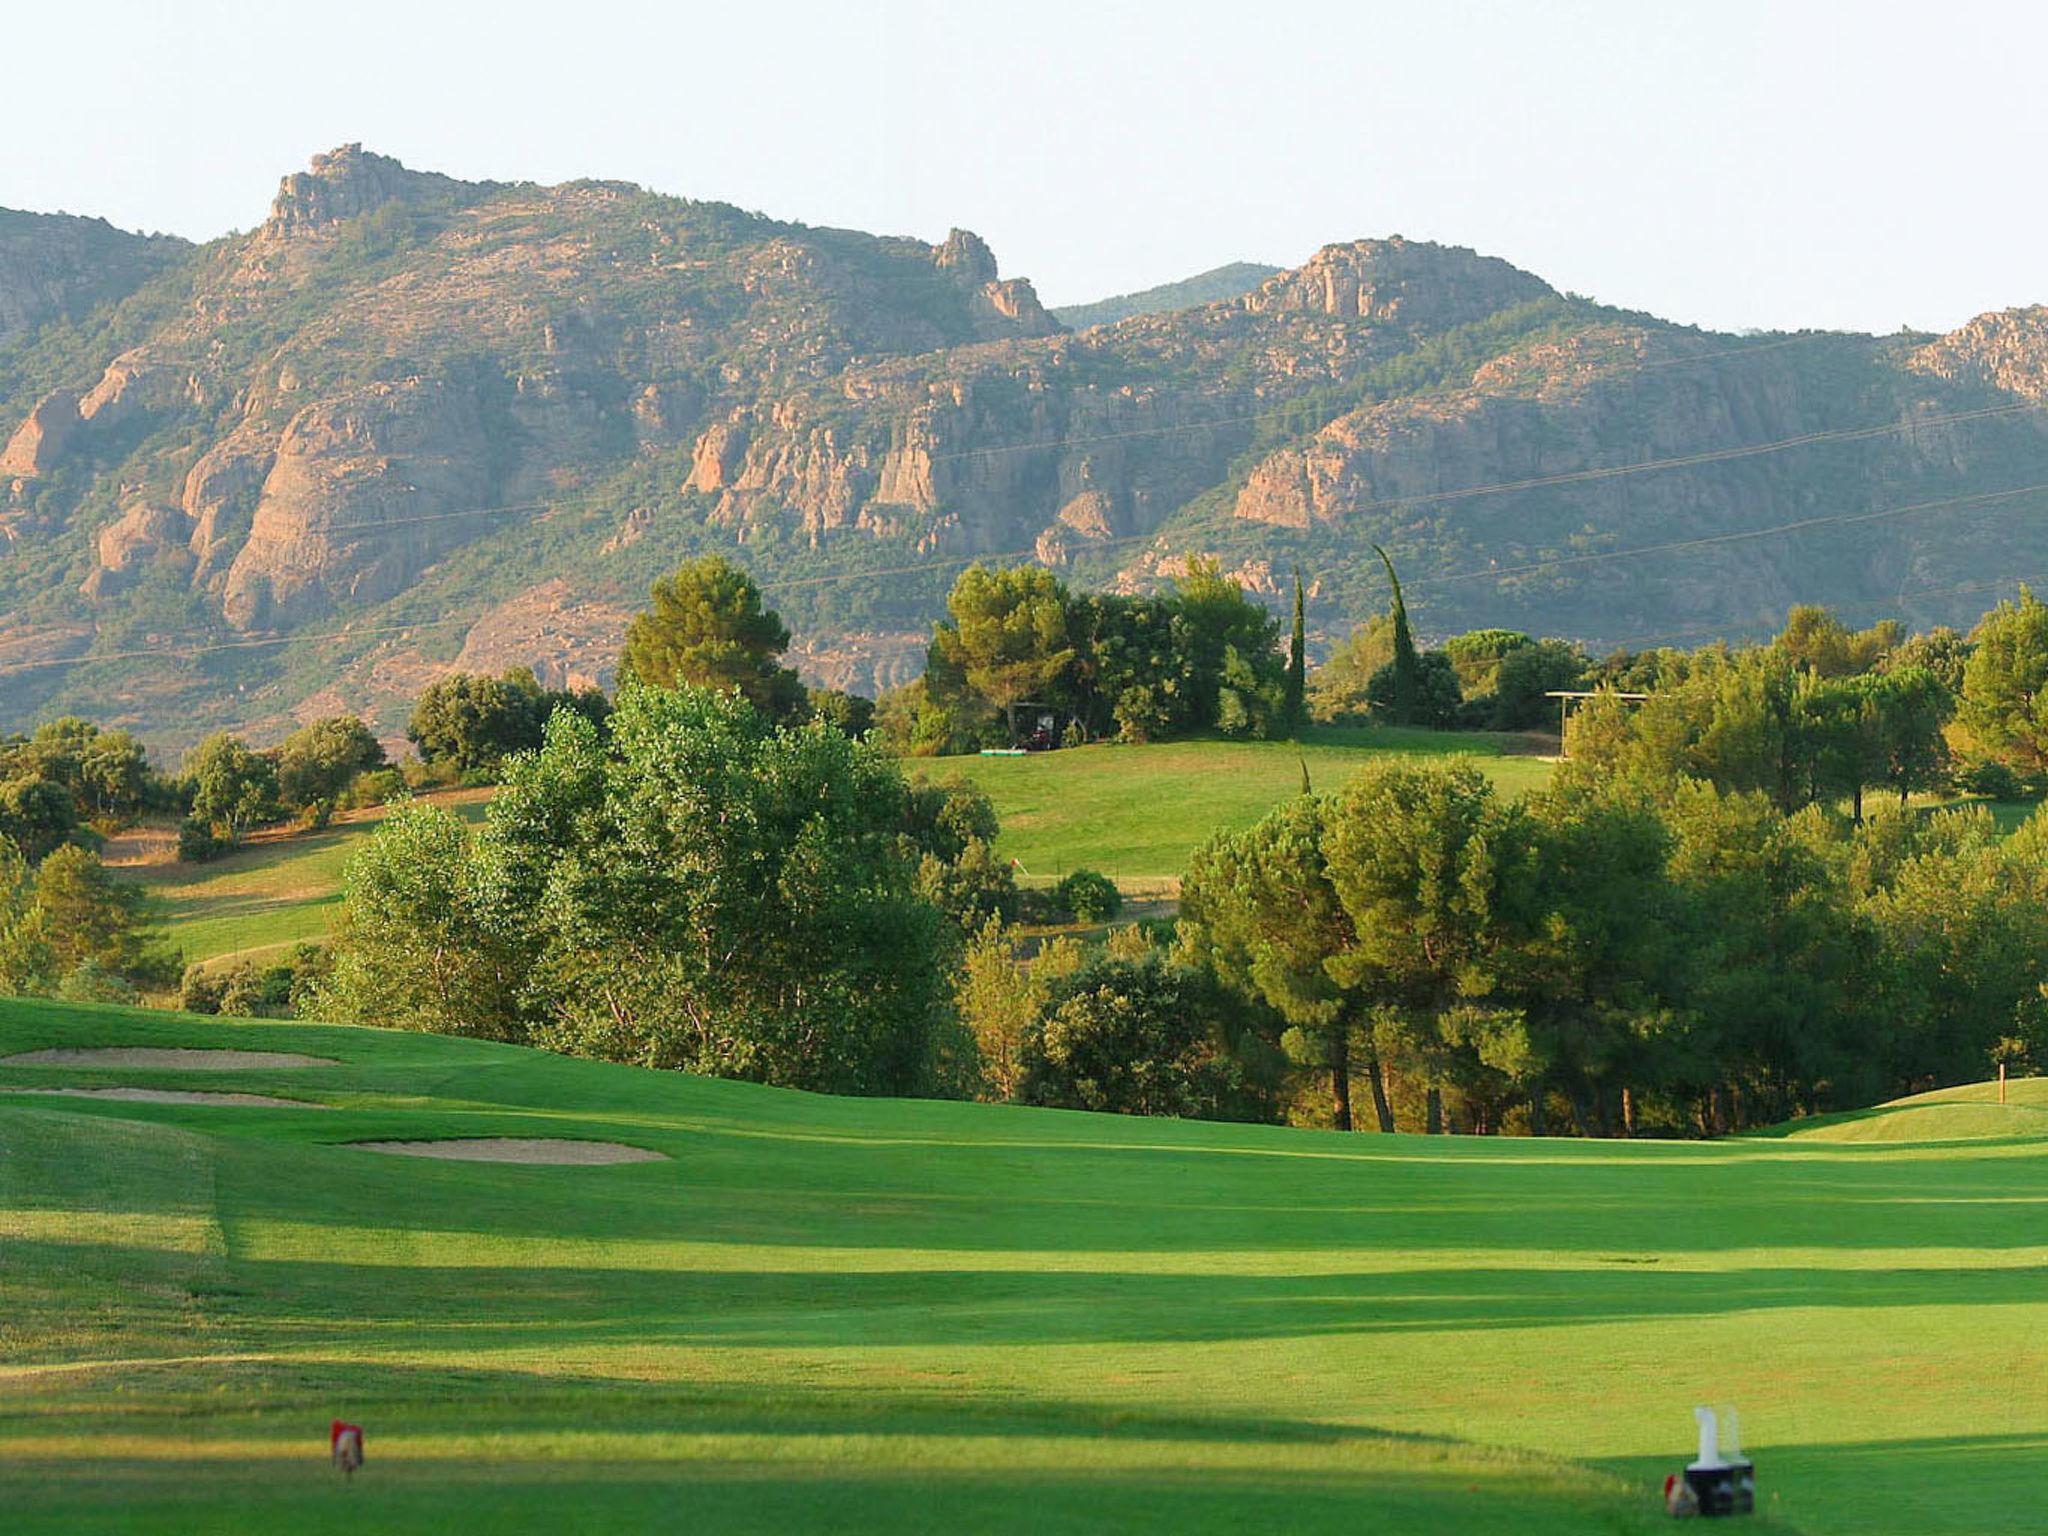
(364, 492)
(1397, 281)
(351, 181)
(147, 532)
(38, 444)
(2005, 351)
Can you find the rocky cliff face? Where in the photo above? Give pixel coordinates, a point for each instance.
(412, 422)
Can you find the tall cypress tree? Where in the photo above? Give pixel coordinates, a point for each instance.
(1297, 666)
(1407, 664)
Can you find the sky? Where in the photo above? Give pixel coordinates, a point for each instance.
(1731, 164)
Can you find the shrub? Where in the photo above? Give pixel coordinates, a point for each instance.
(1091, 897)
(198, 842)
(1991, 779)
(91, 982)
(372, 788)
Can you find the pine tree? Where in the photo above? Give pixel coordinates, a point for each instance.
(1297, 666)
(1407, 664)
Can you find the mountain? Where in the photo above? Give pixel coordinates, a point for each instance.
(1227, 282)
(55, 267)
(411, 422)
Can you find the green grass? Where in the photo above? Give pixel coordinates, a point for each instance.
(276, 890)
(842, 1315)
(1136, 813)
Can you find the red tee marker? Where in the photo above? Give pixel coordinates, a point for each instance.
(345, 1444)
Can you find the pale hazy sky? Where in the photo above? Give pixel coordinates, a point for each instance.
(1728, 163)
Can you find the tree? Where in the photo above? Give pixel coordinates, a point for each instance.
(1817, 642)
(850, 714)
(1136, 1037)
(470, 723)
(27, 962)
(1258, 909)
(232, 787)
(1235, 673)
(1426, 863)
(1525, 677)
(2005, 685)
(88, 916)
(1295, 702)
(695, 887)
(706, 626)
(1404, 685)
(1432, 699)
(1477, 656)
(1007, 637)
(37, 815)
(1340, 689)
(423, 940)
(317, 762)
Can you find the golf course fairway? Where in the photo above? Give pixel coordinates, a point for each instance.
(837, 1315)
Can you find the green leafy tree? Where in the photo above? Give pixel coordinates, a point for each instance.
(707, 626)
(2005, 685)
(1236, 673)
(319, 761)
(469, 724)
(28, 963)
(425, 939)
(89, 916)
(1427, 863)
(1137, 1037)
(233, 787)
(1432, 698)
(37, 815)
(1258, 909)
(1006, 636)
(1340, 689)
(695, 887)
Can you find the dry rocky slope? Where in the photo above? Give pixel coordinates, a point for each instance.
(412, 422)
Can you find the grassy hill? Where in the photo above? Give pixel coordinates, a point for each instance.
(1137, 812)
(840, 1315)
(1133, 812)
(277, 889)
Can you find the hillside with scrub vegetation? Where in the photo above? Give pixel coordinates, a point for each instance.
(412, 426)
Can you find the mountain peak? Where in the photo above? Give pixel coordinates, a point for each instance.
(349, 181)
(1418, 280)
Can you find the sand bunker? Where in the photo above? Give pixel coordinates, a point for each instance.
(171, 1096)
(173, 1060)
(517, 1149)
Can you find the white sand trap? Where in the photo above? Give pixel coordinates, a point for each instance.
(171, 1096)
(172, 1060)
(517, 1149)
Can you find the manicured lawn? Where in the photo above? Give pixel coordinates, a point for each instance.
(1136, 813)
(842, 1315)
(278, 889)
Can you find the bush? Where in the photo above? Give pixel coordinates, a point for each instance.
(373, 788)
(1991, 779)
(91, 982)
(198, 842)
(1091, 897)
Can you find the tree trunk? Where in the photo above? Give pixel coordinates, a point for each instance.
(1536, 1126)
(1856, 800)
(1382, 1106)
(1340, 1080)
(1433, 1123)
(1628, 1111)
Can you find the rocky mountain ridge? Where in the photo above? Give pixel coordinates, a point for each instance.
(411, 422)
